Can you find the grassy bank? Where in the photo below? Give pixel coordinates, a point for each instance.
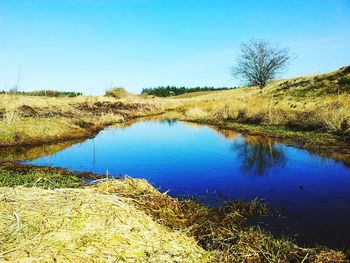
(52, 216)
(36, 120)
(315, 105)
(321, 143)
(85, 225)
(319, 103)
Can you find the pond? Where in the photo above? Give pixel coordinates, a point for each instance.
(309, 195)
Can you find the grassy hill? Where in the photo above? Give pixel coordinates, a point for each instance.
(310, 103)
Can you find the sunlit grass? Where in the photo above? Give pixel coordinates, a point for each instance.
(26, 120)
(324, 105)
(83, 225)
(129, 220)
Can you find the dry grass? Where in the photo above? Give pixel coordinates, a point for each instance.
(26, 120)
(219, 231)
(196, 113)
(130, 221)
(83, 225)
(320, 102)
(317, 103)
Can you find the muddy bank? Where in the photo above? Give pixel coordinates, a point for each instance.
(78, 109)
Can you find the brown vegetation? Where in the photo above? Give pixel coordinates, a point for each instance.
(38, 120)
(83, 225)
(130, 221)
(220, 231)
(313, 103)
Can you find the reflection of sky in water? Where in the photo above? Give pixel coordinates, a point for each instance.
(197, 160)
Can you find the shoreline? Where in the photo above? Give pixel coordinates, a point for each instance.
(218, 233)
(323, 144)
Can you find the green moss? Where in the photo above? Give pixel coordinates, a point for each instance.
(40, 179)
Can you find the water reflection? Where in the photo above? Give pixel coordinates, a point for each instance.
(258, 154)
(169, 121)
(34, 152)
(227, 134)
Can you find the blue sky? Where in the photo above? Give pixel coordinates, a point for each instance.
(90, 45)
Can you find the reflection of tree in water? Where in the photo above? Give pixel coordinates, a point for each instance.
(169, 121)
(259, 154)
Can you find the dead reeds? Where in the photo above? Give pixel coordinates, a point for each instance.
(130, 221)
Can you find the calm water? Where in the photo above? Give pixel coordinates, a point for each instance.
(312, 194)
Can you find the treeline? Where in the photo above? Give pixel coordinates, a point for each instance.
(47, 93)
(174, 91)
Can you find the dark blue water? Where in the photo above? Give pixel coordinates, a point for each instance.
(312, 193)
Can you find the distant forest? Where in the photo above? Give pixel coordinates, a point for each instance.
(46, 93)
(174, 91)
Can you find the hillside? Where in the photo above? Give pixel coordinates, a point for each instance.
(337, 82)
(310, 103)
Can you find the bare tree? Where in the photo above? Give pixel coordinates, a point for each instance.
(260, 61)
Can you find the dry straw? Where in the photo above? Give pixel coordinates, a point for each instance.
(130, 221)
(83, 225)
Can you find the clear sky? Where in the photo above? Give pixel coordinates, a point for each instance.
(90, 45)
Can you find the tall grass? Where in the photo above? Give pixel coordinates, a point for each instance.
(328, 113)
(26, 120)
(117, 93)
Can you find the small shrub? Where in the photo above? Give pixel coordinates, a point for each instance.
(117, 93)
(335, 118)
